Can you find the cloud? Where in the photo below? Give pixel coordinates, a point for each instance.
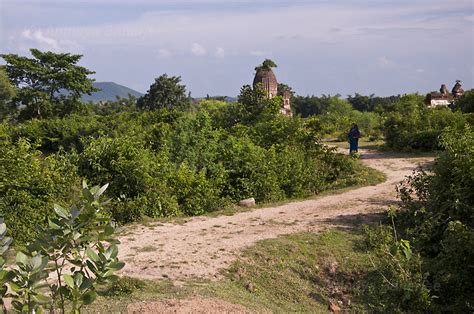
(164, 53)
(385, 63)
(257, 53)
(38, 38)
(28, 38)
(198, 50)
(220, 52)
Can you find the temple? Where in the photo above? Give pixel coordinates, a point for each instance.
(444, 98)
(265, 76)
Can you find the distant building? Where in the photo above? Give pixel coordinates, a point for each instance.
(457, 90)
(267, 79)
(444, 98)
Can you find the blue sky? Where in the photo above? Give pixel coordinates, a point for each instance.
(321, 47)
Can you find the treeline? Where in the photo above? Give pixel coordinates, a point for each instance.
(162, 155)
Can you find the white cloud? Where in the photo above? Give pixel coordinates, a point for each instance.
(164, 53)
(41, 39)
(37, 37)
(469, 18)
(257, 53)
(198, 50)
(385, 63)
(220, 52)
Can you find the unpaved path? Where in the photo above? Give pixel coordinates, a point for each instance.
(203, 245)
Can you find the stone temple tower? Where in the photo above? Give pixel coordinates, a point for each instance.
(265, 76)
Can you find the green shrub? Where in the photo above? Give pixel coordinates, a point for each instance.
(124, 286)
(397, 282)
(437, 217)
(29, 185)
(414, 126)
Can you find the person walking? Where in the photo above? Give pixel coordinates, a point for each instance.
(353, 137)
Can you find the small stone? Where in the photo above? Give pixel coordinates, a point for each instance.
(334, 308)
(250, 287)
(333, 268)
(248, 202)
(346, 301)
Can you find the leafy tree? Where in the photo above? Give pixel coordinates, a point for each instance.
(7, 93)
(49, 83)
(266, 65)
(466, 102)
(283, 88)
(255, 103)
(165, 92)
(361, 102)
(311, 105)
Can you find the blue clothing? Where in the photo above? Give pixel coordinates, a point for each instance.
(353, 136)
(354, 144)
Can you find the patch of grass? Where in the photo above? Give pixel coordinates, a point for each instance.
(138, 291)
(296, 273)
(147, 248)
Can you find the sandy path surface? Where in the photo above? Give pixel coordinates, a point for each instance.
(203, 245)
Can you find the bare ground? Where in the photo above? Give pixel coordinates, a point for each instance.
(202, 246)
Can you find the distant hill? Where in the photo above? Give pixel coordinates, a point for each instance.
(109, 91)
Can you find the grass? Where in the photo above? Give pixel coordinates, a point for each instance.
(296, 273)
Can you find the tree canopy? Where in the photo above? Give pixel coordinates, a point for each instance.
(266, 65)
(164, 93)
(49, 82)
(7, 93)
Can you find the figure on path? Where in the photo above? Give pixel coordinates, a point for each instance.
(353, 136)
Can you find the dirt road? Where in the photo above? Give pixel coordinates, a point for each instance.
(203, 245)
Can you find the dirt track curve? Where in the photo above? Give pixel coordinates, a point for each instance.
(203, 245)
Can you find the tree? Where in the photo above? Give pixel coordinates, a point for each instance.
(266, 65)
(49, 83)
(282, 88)
(7, 93)
(466, 102)
(255, 103)
(361, 102)
(165, 93)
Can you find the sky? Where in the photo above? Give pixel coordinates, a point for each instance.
(321, 47)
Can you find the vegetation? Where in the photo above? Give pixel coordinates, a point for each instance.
(430, 263)
(411, 125)
(76, 247)
(266, 65)
(40, 79)
(165, 92)
(7, 93)
(161, 156)
(164, 156)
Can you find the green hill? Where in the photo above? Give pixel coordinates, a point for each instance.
(110, 91)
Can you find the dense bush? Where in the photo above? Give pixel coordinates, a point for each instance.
(30, 183)
(414, 126)
(397, 283)
(437, 218)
